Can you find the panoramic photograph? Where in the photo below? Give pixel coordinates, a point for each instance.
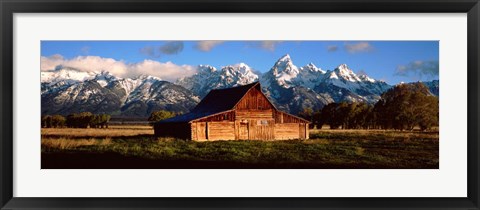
(256, 104)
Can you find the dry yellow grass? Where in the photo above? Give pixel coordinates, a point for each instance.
(65, 143)
(112, 131)
(136, 147)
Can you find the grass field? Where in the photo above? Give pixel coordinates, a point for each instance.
(136, 147)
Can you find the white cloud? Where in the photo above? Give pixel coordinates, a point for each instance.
(167, 71)
(49, 63)
(206, 46)
(269, 45)
(358, 47)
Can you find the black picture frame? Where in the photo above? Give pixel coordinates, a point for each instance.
(10, 7)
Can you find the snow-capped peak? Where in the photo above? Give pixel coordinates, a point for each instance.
(104, 78)
(208, 78)
(365, 78)
(147, 77)
(281, 73)
(206, 68)
(239, 74)
(284, 65)
(311, 67)
(343, 69)
(346, 73)
(242, 68)
(105, 75)
(65, 74)
(285, 58)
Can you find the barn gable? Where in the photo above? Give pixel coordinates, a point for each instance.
(254, 99)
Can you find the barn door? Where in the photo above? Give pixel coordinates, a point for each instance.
(243, 131)
(263, 130)
(302, 130)
(201, 130)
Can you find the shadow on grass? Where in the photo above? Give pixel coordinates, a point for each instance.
(88, 160)
(71, 159)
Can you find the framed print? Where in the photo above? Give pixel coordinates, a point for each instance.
(251, 105)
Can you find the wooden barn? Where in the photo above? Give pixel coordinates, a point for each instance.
(239, 113)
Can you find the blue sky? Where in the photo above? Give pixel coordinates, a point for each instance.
(391, 61)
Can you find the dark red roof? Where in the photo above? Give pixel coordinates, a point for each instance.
(220, 100)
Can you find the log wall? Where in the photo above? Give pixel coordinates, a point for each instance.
(221, 131)
(254, 114)
(199, 131)
(212, 131)
(285, 131)
(281, 117)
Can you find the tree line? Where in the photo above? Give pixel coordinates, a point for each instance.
(161, 115)
(403, 107)
(76, 120)
(87, 119)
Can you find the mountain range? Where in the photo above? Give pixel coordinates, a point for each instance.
(67, 90)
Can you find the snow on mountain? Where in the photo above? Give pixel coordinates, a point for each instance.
(208, 78)
(154, 95)
(65, 75)
(238, 74)
(340, 84)
(344, 77)
(346, 73)
(309, 76)
(365, 78)
(104, 78)
(290, 88)
(66, 91)
(282, 73)
(142, 88)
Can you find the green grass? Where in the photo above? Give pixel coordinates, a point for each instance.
(325, 149)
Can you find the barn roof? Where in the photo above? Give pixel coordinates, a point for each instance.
(187, 117)
(220, 100)
(215, 102)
